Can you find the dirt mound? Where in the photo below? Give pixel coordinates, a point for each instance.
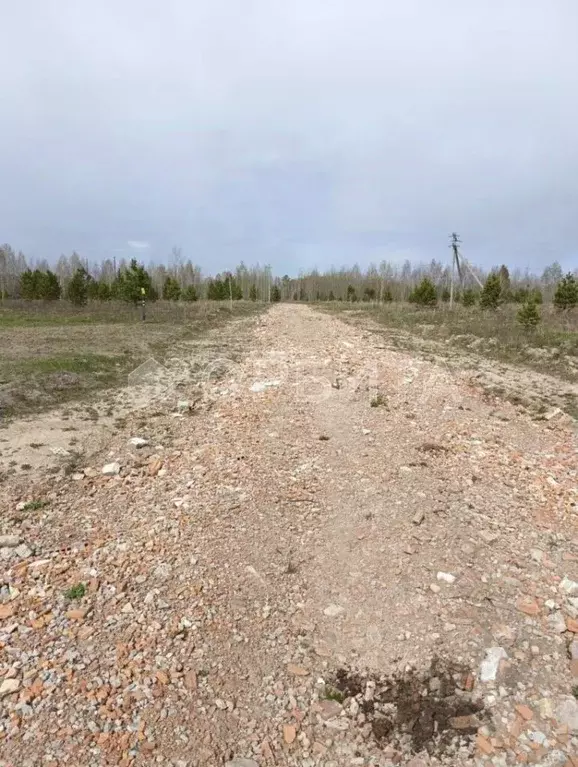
(433, 710)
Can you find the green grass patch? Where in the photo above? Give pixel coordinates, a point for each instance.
(75, 592)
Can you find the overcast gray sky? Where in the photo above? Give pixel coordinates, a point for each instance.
(294, 132)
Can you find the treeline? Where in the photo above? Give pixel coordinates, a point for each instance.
(74, 279)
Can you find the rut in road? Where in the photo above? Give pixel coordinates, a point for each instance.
(330, 505)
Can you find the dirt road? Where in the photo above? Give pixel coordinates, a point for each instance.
(269, 579)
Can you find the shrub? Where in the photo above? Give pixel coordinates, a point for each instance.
(566, 296)
(528, 315)
(189, 293)
(424, 294)
(490, 297)
(469, 297)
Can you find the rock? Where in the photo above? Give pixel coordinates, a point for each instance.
(488, 536)
(76, 615)
(572, 625)
(465, 722)
(190, 680)
(241, 763)
(566, 714)
(111, 469)
(332, 611)
(183, 406)
(491, 663)
(9, 686)
(525, 712)
(260, 386)
(484, 745)
(556, 622)
(9, 541)
(6, 611)
(552, 414)
(446, 577)
(418, 518)
(568, 587)
(435, 588)
(154, 467)
(23, 551)
(138, 442)
(77, 476)
(289, 733)
(297, 670)
(528, 607)
(573, 649)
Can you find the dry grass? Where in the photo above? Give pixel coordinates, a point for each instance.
(52, 352)
(552, 347)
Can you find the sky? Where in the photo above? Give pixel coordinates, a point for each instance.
(302, 134)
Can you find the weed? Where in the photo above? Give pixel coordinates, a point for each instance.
(324, 438)
(35, 505)
(75, 592)
(332, 693)
(380, 400)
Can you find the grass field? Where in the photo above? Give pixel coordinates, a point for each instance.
(53, 352)
(551, 348)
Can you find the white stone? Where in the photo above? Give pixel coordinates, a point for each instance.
(490, 665)
(568, 587)
(566, 713)
(9, 686)
(446, 577)
(138, 442)
(332, 611)
(111, 469)
(9, 541)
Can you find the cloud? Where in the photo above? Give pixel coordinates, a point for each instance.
(138, 244)
(290, 131)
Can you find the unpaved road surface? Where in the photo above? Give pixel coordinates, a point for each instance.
(269, 580)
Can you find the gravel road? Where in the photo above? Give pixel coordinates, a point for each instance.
(335, 554)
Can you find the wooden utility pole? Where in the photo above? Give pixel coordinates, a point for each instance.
(231, 291)
(457, 262)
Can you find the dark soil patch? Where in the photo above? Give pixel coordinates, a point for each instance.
(416, 711)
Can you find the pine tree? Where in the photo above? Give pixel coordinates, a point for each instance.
(275, 293)
(490, 297)
(469, 297)
(28, 285)
(253, 292)
(78, 286)
(424, 294)
(445, 295)
(171, 289)
(131, 282)
(189, 293)
(566, 296)
(528, 315)
(331, 296)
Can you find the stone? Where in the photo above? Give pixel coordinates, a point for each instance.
(138, 442)
(23, 551)
(484, 745)
(446, 577)
(572, 625)
(465, 722)
(566, 714)
(556, 622)
(183, 406)
(568, 587)
(190, 680)
(9, 541)
(111, 469)
(289, 733)
(528, 607)
(76, 615)
(260, 386)
(6, 611)
(9, 686)
(525, 712)
(435, 588)
(241, 763)
(333, 610)
(488, 536)
(297, 670)
(573, 649)
(418, 518)
(491, 663)
(154, 467)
